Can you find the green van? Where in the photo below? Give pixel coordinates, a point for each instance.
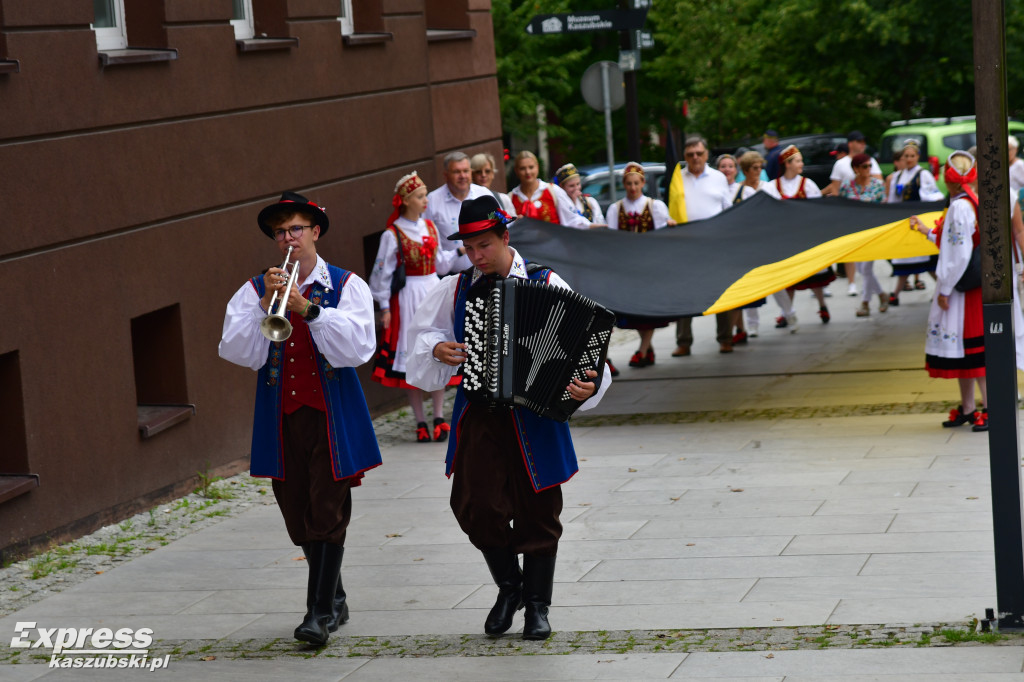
(937, 139)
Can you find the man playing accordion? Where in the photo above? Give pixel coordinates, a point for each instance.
(508, 462)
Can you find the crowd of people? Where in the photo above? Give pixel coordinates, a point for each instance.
(312, 433)
(698, 189)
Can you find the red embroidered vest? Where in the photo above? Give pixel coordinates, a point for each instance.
(547, 211)
(636, 222)
(419, 257)
(299, 381)
(800, 193)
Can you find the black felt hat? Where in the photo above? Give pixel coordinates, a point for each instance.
(291, 201)
(479, 215)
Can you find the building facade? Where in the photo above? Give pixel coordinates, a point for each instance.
(138, 141)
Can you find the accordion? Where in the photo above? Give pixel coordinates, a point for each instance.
(526, 340)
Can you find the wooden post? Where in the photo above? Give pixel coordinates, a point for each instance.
(997, 283)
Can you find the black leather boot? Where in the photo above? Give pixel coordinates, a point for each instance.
(504, 566)
(538, 580)
(324, 564)
(340, 613)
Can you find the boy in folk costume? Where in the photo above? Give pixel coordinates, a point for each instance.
(508, 463)
(312, 432)
(409, 242)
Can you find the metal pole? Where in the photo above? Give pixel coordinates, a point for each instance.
(996, 268)
(632, 114)
(606, 96)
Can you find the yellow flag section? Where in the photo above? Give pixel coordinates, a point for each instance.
(895, 240)
(677, 196)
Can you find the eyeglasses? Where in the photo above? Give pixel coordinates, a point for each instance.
(694, 155)
(295, 231)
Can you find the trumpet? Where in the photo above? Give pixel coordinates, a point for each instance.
(275, 326)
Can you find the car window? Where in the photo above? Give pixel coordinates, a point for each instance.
(816, 151)
(895, 143)
(960, 141)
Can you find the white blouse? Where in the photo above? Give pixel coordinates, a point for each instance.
(387, 260)
(659, 211)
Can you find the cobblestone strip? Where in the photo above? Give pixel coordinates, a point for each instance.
(938, 408)
(764, 640)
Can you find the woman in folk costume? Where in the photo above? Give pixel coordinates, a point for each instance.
(911, 183)
(792, 185)
(638, 213)
(540, 200)
(411, 241)
(569, 179)
(955, 342)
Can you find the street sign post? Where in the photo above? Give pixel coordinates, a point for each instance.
(627, 20)
(602, 90)
(586, 22)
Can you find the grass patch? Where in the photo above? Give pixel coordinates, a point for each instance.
(958, 636)
(46, 564)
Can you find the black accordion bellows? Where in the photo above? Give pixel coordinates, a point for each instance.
(526, 340)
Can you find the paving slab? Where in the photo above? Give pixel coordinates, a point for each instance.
(888, 662)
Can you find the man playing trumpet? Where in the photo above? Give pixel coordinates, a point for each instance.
(312, 432)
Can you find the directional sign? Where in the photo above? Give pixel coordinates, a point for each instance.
(643, 40)
(584, 22)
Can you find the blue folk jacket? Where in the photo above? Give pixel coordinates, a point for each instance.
(352, 441)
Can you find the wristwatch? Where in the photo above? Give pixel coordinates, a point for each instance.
(312, 313)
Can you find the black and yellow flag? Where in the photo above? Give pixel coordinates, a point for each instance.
(743, 254)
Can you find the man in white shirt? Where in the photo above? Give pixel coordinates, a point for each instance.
(843, 171)
(443, 203)
(695, 193)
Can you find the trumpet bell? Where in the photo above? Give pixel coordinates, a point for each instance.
(276, 328)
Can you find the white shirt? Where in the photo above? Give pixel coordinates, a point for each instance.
(595, 208)
(747, 190)
(659, 211)
(929, 189)
(843, 169)
(1016, 176)
(567, 215)
(443, 209)
(344, 335)
(434, 323)
(387, 259)
(706, 194)
(790, 187)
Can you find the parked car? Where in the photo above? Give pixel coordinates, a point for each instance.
(816, 150)
(937, 138)
(595, 182)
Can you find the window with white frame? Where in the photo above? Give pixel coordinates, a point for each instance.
(241, 19)
(345, 18)
(108, 24)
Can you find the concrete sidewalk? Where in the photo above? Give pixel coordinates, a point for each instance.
(696, 549)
